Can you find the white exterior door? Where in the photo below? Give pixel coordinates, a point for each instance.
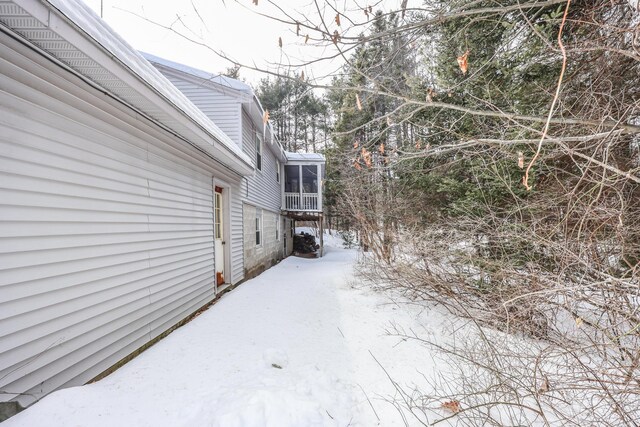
(219, 235)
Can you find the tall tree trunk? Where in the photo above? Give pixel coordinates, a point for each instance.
(313, 134)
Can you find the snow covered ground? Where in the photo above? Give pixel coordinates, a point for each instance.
(292, 347)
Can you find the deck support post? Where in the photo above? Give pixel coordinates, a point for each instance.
(321, 236)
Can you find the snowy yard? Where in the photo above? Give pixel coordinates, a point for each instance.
(292, 347)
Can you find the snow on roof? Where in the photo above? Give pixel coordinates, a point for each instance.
(305, 157)
(82, 16)
(214, 78)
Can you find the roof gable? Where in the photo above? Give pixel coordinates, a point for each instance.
(74, 35)
(243, 92)
(225, 84)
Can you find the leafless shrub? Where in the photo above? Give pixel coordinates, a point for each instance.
(564, 291)
(548, 277)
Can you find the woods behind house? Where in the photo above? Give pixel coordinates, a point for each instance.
(487, 153)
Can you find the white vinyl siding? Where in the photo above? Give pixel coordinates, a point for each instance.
(222, 109)
(237, 234)
(225, 110)
(263, 189)
(105, 231)
(258, 152)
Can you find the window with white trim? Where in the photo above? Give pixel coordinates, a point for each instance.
(218, 216)
(258, 227)
(277, 170)
(258, 152)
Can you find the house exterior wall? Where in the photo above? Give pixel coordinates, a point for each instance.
(263, 189)
(237, 232)
(222, 109)
(271, 249)
(263, 192)
(106, 228)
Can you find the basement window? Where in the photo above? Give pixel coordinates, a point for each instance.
(258, 227)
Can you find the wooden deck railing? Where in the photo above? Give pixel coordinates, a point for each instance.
(308, 202)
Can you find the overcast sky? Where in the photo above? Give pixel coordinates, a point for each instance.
(231, 27)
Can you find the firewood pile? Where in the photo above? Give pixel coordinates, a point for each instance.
(304, 244)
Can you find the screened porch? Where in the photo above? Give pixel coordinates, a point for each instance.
(302, 189)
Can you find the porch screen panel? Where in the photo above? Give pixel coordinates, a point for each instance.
(292, 179)
(309, 179)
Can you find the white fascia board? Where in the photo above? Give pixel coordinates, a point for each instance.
(77, 25)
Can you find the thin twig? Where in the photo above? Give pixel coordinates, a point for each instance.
(525, 179)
